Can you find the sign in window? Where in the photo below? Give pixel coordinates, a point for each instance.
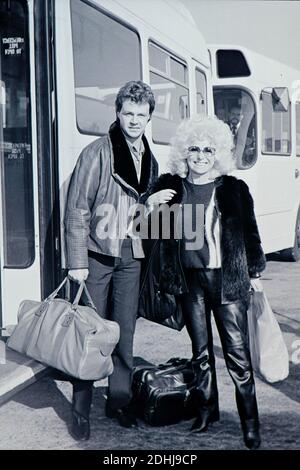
(15, 145)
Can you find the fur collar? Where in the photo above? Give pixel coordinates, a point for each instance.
(123, 165)
(168, 181)
(227, 190)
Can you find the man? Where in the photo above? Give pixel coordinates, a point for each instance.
(234, 120)
(244, 138)
(113, 172)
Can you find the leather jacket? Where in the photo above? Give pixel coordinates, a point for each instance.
(103, 187)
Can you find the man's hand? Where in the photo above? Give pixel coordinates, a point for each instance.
(78, 275)
(161, 197)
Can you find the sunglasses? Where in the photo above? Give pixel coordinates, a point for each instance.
(207, 151)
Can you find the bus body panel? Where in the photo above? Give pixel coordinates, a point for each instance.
(156, 29)
(274, 179)
(131, 14)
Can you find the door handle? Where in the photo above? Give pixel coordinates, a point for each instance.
(297, 173)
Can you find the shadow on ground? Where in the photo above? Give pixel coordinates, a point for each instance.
(279, 430)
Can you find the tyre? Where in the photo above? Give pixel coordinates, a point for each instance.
(293, 253)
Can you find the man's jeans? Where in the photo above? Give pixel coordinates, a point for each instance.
(113, 284)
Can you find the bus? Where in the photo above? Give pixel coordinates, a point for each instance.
(261, 97)
(61, 64)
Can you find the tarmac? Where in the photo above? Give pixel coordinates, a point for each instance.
(49, 397)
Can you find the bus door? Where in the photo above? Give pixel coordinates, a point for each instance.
(19, 256)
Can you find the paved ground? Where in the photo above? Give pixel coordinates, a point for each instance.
(38, 417)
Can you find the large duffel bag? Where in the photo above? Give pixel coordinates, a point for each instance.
(70, 337)
(162, 394)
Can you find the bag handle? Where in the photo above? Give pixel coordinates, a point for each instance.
(89, 298)
(82, 287)
(90, 302)
(56, 291)
(175, 367)
(68, 290)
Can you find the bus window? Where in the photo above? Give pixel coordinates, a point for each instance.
(15, 136)
(236, 107)
(298, 129)
(276, 127)
(231, 63)
(169, 82)
(201, 92)
(97, 39)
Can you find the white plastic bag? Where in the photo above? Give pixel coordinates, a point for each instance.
(268, 351)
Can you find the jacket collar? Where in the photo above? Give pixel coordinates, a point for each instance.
(122, 164)
(168, 181)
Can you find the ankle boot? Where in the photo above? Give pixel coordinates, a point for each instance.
(205, 396)
(204, 418)
(81, 405)
(251, 433)
(82, 397)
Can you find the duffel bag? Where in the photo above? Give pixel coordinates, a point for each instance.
(67, 336)
(162, 394)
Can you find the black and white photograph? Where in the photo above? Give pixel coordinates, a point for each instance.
(150, 230)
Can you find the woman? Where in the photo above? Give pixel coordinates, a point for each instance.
(214, 276)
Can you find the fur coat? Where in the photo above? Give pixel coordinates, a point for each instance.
(242, 256)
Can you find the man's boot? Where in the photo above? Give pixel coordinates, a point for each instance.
(81, 405)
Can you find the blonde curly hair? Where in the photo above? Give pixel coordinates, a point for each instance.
(198, 128)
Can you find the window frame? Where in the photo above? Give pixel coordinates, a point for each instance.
(255, 107)
(178, 58)
(198, 69)
(171, 55)
(297, 121)
(121, 22)
(279, 154)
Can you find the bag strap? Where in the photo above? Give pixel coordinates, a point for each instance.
(90, 303)
(172, 368)
(82, 287)
(68, 290)
(56, 291)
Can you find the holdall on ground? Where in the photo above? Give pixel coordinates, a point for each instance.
(162, 394)
(67, 336)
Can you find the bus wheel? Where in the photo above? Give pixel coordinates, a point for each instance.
(293, 254)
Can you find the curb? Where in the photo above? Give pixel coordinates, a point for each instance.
(17, 372)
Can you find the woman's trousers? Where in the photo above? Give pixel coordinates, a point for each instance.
(204, 295)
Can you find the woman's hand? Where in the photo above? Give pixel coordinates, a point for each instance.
(161, 197)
